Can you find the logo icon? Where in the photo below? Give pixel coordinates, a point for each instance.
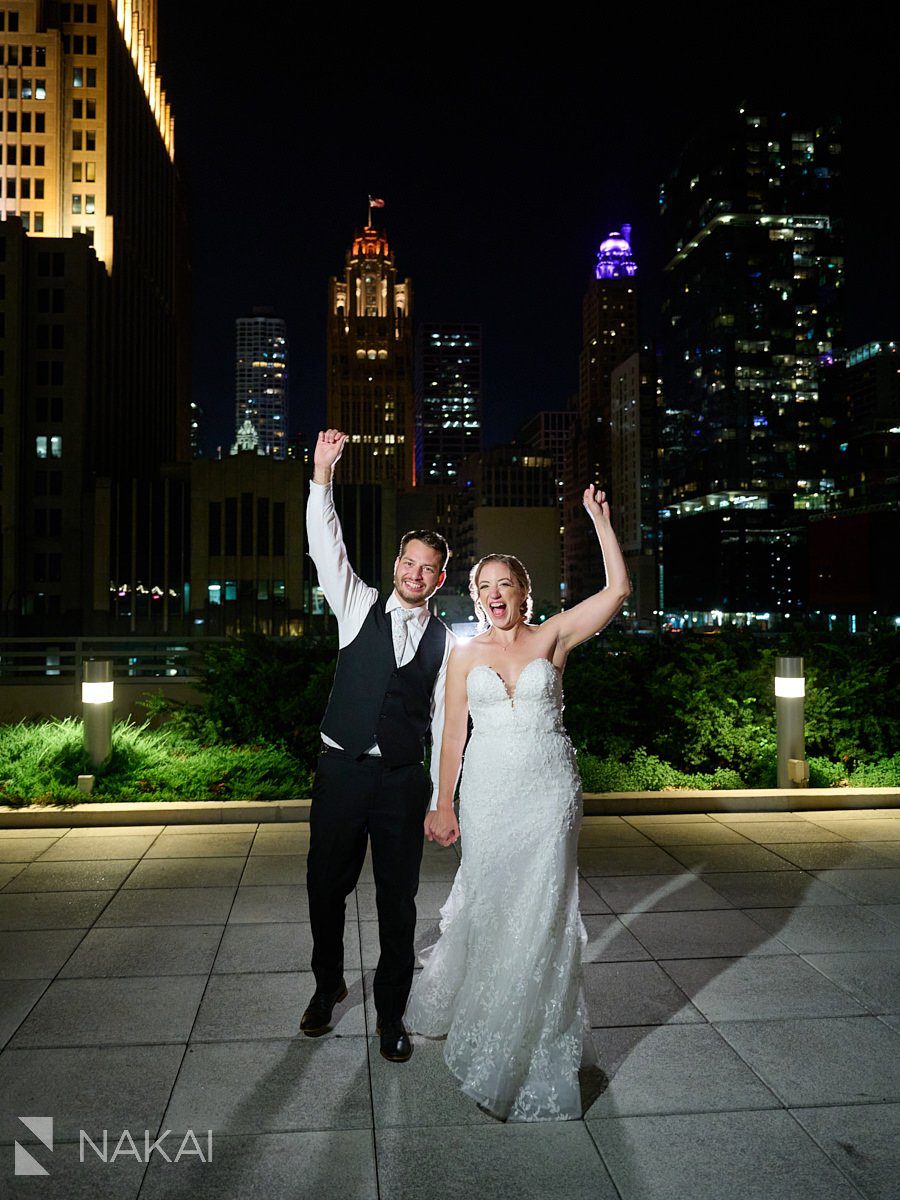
(42, 1128)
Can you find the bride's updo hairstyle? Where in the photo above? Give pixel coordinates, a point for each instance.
(518, 572)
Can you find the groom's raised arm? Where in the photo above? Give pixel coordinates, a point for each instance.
(349, 597)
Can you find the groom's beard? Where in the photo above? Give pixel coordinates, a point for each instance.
(413, 597)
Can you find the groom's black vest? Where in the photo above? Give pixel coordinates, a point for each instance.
(374, 700)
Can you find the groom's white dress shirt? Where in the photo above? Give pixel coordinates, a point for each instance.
(350, 600)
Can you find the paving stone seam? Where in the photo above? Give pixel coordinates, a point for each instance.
(364, 986)
(867, 1004)
(864, 1016)
(600, 1155)
(824, 1149)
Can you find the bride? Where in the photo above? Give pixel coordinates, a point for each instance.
(503, 982)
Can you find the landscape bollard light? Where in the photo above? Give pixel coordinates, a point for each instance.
(793, 770)
(97, 698)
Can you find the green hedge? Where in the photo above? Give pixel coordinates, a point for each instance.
(707, 703)
(690, 711)
(702, 705)
(39, 764)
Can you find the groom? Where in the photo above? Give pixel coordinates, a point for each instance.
(370, 781)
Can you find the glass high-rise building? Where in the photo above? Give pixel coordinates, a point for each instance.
(448, 399)
(752, 314)
(261, 380)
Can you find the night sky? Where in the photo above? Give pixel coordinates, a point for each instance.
(503, 163)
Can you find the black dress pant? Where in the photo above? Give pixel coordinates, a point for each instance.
(354, 800)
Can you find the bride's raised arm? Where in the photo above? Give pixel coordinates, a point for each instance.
(582, 621)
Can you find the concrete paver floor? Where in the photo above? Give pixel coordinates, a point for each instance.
(742, 974)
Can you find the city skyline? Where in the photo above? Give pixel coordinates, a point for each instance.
(479, 169)
(723, 322)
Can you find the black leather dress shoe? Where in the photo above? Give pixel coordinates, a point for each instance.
(395, 1043)
(317, 1018)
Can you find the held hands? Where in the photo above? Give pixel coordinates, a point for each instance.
(441, 826)
(596, 503)
(329, 447)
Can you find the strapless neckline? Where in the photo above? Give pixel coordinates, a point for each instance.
(511, 695)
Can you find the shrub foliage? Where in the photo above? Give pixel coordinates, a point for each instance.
(644, 714)
(39, 764)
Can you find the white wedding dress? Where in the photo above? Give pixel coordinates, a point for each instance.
(503, 982)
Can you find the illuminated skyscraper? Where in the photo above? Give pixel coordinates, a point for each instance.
(609, 336)
(82, 152)
(752, 313)
(94, 369)
(260, 379)
(448, 399)
(370, 364)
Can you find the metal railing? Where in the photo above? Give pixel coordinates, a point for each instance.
(56, 660)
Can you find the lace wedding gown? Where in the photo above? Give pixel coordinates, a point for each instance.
(503, 982)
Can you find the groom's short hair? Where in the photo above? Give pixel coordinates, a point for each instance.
(435, 540)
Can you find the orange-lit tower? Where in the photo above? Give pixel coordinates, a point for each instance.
(370, 363)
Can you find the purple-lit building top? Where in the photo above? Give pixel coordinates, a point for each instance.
(609, 335)
(614, 258)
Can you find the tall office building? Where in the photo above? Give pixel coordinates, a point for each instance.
(260, 380)
(94, 360)
(370, 387)
(508, 502)
(448, 399)
(609, 336)
(854, 577)
(861, 393)
(634, 478)
(550, 432)
(752, 313)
